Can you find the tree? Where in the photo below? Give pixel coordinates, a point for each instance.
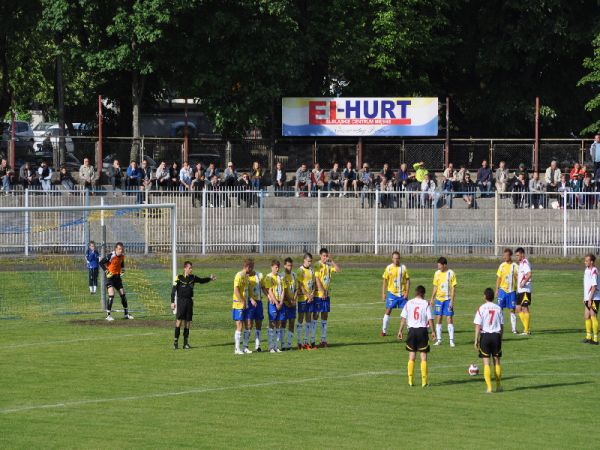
(592, 79)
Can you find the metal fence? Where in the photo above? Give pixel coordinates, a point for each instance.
(364, 222)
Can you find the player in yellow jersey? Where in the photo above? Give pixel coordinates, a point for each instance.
(506, 286)
(254, 311)
(322, 304)
(238, 309)
(444, 285)
(394, 288)
(275, 286)
(306, 294)
(289, 304)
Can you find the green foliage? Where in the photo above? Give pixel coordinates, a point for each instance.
(592, 79)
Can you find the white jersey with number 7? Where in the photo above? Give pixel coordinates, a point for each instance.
(417, 313)
(489, 317)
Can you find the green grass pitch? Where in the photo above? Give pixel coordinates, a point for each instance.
(70, 384)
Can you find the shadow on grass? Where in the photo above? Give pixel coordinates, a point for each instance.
(470, 380)
(560, 331)
(550, 385)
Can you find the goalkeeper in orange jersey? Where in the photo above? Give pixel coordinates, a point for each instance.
(114, 268)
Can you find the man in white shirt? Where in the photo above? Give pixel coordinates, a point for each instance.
(591, 300)
(489, 326)
(417, 314)
(523, 290)
(595, 154)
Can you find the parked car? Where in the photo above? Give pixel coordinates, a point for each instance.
(108, 161)
(205, 159)
(71, 162)
(23, 136)
(46, 136)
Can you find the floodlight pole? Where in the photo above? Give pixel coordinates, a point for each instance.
(447, 149)
(99, 162)
(185, 133)
(536, 150)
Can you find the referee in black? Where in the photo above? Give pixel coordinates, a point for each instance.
(183, 292)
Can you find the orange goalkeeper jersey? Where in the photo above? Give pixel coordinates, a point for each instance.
(113, 263)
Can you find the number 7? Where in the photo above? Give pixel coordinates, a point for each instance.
(492, 314)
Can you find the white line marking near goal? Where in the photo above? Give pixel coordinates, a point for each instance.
(71, 341)
(256, 385)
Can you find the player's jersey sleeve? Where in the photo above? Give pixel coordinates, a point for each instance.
(499, 271)
(478, 318)
(238, 282)
(201, 280)
(435, 280)
(500, 317)
(386, 273)
(267, 282)
(175, 287)
(404, 313)
(429, 316)
(452, 280)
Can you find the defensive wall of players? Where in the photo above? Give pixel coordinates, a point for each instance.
(260, 222)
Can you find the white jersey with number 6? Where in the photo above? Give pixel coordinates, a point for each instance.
(590, 280)
(489, 317)
(417, 313)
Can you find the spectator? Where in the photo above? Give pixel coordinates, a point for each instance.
(386, 187)
(552, 178)
(522, 169)
(317, 178)
(86, 175)
(174, 175)
(595, 154)
(536, 192)
(348, 177)
(402, 177)
(230, 177)
(45, 176)
(461, 175)
(279, 178)
(577, 169)
(587, 189)
(577, 187)
(27, 176)
(448, 189)
(115, 175)
(469, 190)
(197, 187)
(214, 189)
(484, 179)
(163, 177)
(388, 174)
(245, 186)
(6, 175)
(449, 172)
(564, 188)
(133, 179)
(420, 171)
(364, 183)
(257, 176)
(501, 177)
(427, 191)
(519, 189)
(146, 180)
(209, 172)
(185, 176)
(197, 168)
(335, 180)
(302, 185)
(66, 180)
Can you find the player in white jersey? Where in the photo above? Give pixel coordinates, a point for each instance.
(523, 290)
(417, 314)
(591, 300)
(489, 326)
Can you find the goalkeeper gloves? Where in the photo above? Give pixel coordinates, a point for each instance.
(109, 274)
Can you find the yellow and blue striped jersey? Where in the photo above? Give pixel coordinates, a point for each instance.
(277, 284)
(507, 272)
(397, 279)
(290, 284)
(323, 273)
(255, 283)
(241, 282)
(443, 281)
(305, 277)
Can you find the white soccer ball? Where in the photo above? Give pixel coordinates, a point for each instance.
(473, 370)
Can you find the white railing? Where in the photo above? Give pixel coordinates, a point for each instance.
(364, 222)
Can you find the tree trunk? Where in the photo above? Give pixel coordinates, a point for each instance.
(59, 153)
(5, 95)
(137, 92)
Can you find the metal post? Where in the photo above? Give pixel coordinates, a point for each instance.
(536, 153)
(11, 161)
(565, 224)
(99, 162)
(146, 225)
(185, 132)
(203, 222)
(435, 223)
(86, 216)
(261, 222)
(359, 153)
(377, 221)
(495, 223)
(173, 241)
(318, 218)
(447, 149)
(26, 223)
(102, 254)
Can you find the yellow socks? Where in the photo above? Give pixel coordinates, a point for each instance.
(525, 320)
(411, 371)
(594, 320)
(498, 369)
(423, 373)
(487, 375)
(588, 328)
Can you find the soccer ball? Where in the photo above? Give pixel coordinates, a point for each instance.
(473, 370)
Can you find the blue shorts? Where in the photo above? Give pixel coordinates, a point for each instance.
(394, 301)
(255, 312)
(275, 314)
(443, 308)
(322, 305)
(289, 312)
(238, 314)
(507, 299)
(304, 307)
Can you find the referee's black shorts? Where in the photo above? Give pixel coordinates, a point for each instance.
(490, 344)
(185, 309)
(418, 340)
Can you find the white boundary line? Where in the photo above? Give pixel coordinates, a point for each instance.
(256, 385)
(71, 341)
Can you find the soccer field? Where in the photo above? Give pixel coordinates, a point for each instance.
(72, 383)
